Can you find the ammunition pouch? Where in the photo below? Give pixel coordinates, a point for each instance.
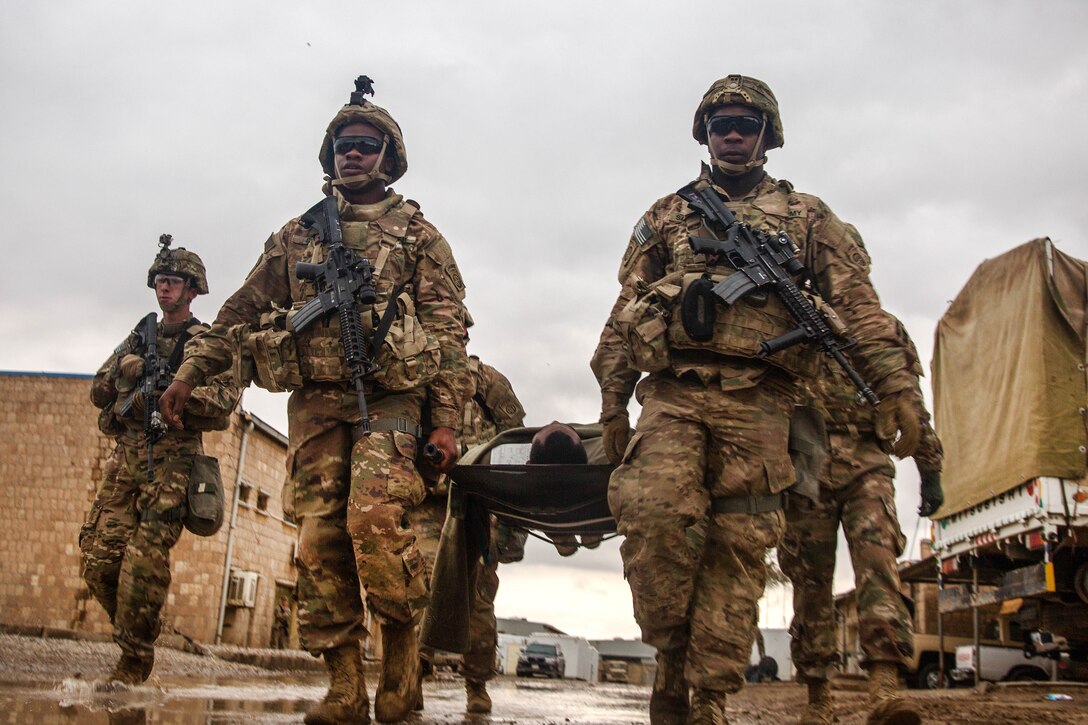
(736, 331)
(409, 356)
(643, 322)
(268, 356)
(108, 423)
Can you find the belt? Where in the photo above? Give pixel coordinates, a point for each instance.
(401, 425)
(748, 504)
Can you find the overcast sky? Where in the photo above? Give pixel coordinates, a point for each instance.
(537, 134)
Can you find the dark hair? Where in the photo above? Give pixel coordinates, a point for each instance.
(557, 443)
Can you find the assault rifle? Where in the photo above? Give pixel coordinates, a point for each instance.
(767, 261)
(345, 281)
(152, 382)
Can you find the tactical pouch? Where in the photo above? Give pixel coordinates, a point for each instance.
(275, 354)
(204, 497)
(409, 355)
(737, 330)
(643, 322)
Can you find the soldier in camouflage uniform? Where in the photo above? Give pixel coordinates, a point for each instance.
(126, 539)
(712, 439)
(855, 487)
(351, 498)
(492, 409)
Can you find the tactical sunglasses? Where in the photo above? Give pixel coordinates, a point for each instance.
(744, 125)
(170, 280)
(365, 145)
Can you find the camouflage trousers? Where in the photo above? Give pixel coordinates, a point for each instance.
(694, 443)
(351, 502)
(126, 560)
(478, 663)
(855, 489)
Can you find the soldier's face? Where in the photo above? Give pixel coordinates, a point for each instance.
(739, 144)
(358, 160)
(173, 292)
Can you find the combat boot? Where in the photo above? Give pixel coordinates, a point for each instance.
(707, 708)
(669, 698)
(477, 700)
(398, 685)
(346, 701)
(889, 708)
(130, 670)
(819, 710)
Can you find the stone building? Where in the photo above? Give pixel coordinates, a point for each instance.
(225, 587)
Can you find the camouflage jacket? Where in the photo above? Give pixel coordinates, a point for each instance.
(492, 408)
(414, 255)
(208, 408)
(832, 250)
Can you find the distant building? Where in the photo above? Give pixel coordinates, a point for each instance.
(51, 461)
(626, 660)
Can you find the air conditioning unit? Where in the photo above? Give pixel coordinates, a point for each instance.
(249, 589)
(242, 589)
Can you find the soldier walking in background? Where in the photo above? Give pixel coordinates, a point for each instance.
(492, 408)
(711, 442)
(855, 488)
(352, 489)
(137, 514)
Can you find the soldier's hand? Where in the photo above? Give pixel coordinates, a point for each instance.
(131, 367)
(932, 494)
(615, 437)
(901, 412)
(172, 403)
(446, 442)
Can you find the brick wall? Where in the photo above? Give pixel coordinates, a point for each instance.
(51, 461)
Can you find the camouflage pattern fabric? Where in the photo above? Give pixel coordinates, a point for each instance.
(717, 425)
(693, 443)
(126, 561)
(492, 408)
(350, 503)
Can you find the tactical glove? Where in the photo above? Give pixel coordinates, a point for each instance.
(615, 437)
(932, 495)
(901, 412)
(131, 367)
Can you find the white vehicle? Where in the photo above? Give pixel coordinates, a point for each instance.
(1002, 664)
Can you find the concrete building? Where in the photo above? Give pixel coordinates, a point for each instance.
(225, 587)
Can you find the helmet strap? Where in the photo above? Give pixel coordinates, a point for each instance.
(731, 169)
(358, 181)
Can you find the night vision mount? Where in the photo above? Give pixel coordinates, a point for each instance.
(364, 87)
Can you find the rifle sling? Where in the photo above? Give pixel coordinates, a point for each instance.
(386, 322)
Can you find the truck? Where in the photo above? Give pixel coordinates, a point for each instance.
(1011, 395)
(1002, 664)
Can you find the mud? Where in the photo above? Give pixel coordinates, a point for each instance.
(45, 681)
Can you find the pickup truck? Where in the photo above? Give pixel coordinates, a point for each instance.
(1002, 664)
(540, 658)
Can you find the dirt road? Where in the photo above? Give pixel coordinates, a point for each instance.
(48, 681)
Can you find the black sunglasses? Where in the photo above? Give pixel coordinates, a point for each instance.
(365, 145)
(744, 125)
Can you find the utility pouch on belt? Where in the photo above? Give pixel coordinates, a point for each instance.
(808, 450)
(204, 494)
(409, 356)
(644, 321)
(274, 353)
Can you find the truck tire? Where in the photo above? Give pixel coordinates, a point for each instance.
(928, 676)
(1027, 674)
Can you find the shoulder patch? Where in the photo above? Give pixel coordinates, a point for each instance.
(642, 233)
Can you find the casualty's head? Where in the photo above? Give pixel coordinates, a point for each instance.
(738, 121)
(557, 443)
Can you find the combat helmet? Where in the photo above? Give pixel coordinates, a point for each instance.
(357, 110)
(178, 261)
(747, 91)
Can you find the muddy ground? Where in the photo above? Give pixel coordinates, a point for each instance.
(52, 681)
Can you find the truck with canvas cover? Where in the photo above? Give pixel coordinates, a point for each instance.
(1010, 399)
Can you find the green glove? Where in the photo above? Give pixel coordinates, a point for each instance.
(932, 495)
(615, 437)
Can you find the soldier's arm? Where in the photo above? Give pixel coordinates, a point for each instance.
(212, 351)
(440, 292)
(216, 398)
(841, 270)
(643, 262)
(498, 394)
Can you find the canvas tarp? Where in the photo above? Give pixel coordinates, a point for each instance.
(1009, 375)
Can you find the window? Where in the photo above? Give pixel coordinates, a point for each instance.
(262, 500)
(245, 493)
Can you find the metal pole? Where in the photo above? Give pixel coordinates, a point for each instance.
(940, 627)
(974, 617)
(230, 532)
